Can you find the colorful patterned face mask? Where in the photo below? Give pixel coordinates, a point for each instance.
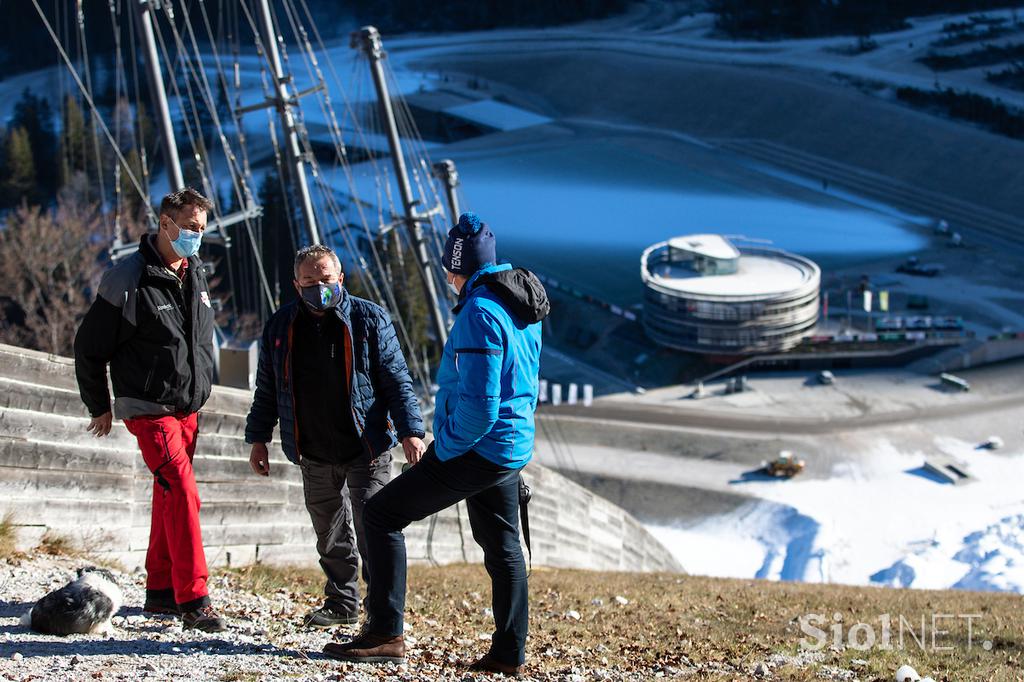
(322, 296)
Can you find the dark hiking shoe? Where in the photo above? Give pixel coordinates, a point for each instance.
(161, 602)
(489, 664)
(326, 617)
(369, 648)
(203, 618)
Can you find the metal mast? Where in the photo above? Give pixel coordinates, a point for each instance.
(368, 39)
(284, 102)
(156, 86)
(444, 170)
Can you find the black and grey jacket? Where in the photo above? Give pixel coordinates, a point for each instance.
(155, 331)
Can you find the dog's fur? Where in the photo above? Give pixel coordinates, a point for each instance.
(83, 606)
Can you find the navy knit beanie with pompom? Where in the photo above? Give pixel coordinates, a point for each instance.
(470, 246)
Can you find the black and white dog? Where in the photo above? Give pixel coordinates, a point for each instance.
(83, 606)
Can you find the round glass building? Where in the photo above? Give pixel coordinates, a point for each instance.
(703, 294)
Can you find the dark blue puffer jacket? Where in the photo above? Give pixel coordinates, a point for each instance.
(380, 381)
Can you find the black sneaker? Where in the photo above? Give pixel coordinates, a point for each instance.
(326, 617)
(161, 602)
(203, 618)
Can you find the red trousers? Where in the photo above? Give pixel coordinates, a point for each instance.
(175, 558)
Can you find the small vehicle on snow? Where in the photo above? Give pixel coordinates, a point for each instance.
(783, 466)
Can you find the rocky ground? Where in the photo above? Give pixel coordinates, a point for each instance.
(265, 640)
(584, 626)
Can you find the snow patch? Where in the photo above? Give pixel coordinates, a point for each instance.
(760, 539)
(991, 559)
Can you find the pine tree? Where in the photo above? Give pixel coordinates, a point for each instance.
(278, 245)
(132, 204)
(19, 182)
(34, 115)
(74, 141)
(411, 300)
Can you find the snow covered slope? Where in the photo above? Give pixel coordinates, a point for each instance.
(883, 521)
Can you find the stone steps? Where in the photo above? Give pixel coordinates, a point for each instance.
(56, 476)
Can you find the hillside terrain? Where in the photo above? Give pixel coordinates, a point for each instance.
(584, 626)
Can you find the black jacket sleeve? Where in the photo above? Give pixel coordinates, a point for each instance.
(259, 425)
(393, 380)
(108, 323)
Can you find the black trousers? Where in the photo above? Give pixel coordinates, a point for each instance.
(492, 497)
(335, 496)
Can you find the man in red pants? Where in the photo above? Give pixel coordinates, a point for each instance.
(152, 322)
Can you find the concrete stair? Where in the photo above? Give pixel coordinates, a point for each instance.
(54, 476)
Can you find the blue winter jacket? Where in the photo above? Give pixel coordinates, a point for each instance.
(488, 378)
(379, 380)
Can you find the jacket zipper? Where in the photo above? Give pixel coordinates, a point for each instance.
(349, 369)
(291, 387)
(149, 377)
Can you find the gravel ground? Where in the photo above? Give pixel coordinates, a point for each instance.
(264, 642)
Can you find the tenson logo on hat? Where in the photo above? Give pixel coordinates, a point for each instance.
(457, 253)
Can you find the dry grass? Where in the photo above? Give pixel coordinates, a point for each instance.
(708, 626)
(8, 536)
(56, 544)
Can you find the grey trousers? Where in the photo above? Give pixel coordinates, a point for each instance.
(334, 496)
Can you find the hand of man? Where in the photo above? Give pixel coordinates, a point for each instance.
(414, 449)
(100, 426)
(259, 459)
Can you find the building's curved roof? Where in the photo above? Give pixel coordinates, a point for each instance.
(756, 276)
(707, 245)
(761, 273)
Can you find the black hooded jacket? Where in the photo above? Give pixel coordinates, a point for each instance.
(156, 333)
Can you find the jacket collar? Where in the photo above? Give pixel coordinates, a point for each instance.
(473, 282)
(155, 264)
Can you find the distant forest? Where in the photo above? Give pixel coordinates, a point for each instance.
(772, 19)
(22, 33)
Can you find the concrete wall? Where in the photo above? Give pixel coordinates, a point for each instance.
(972, 354)
(55, 476)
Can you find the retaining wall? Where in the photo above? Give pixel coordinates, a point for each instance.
(56, 477)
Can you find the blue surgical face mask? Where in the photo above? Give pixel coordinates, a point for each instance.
(322, 296)
(187, 243)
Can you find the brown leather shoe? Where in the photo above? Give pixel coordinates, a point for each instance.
(491, 665)
(369, 648)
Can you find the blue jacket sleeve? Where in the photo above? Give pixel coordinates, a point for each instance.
(479, 351)
(393, 381)
(259, 425)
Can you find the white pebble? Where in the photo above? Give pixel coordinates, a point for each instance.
(905, 673)
(16, 656)
(572, 615)
(622, 601)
